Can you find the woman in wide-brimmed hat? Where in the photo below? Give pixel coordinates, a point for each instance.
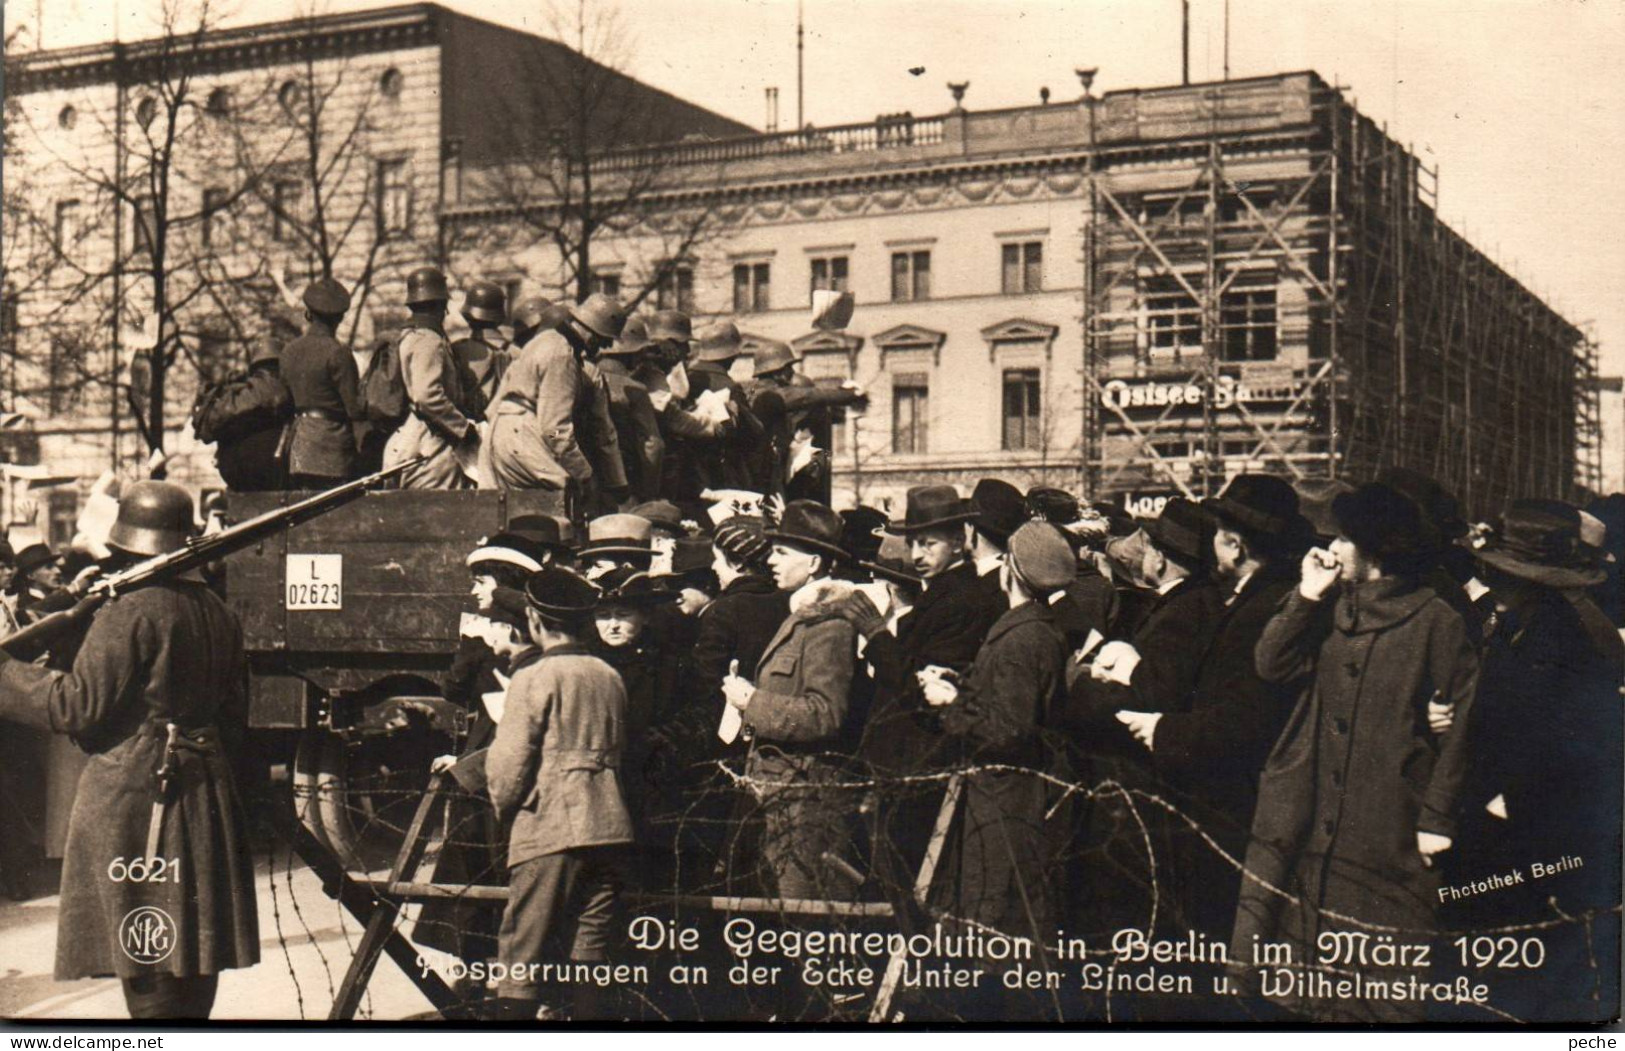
(1361, 794)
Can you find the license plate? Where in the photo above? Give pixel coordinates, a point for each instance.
(314, 582)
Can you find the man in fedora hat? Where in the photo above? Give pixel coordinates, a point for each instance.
(1361, 793)
(1545, 740)
(1000, 510)
(554, 773)
(483, 354)
(728, 465)
(321, 376)
(442, 403)
(796, 706)
(1212, 747)
(1001, 714)
(37, 576)
(1150, 672)
(551, 427)
(637, 426)
(617, 541)
(247, 418)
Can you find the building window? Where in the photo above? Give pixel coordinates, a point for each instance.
(214, 202)
(285, 207)
(1173, 318)
(606, 282)
(1023, 267)
(676, 290)
(910, 401)
(1022, 410)
(68, 230)
(910, 276)
(394, 199)
(389, 85)
(61, 518)
(751, 287)
(829, 273)
(1247, 320)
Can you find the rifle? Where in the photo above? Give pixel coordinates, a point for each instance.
(198, 551)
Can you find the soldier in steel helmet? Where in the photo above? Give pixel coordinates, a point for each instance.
(550, 424)
(796, 414)
(484, 354)
(533, 316)
(441, 427)
(321, 375)
(156, 695)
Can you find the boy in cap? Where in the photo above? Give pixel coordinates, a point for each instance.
(554, 773)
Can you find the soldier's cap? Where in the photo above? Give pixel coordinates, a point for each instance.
(601, 315)
(561, 594)
(326, 296)
(618, 535)
(634, 339)
(671, 324)
(662, 514)
(510, 549)
(559, 534)
(33, 557)
(629, 586)
(508, 607)
(719, 341)
(1041, 558)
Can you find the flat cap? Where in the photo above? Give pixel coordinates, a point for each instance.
(1040, 556)
(326, 296)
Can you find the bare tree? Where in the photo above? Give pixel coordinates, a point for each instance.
(598, 164)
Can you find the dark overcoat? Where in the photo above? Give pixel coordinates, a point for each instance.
(1357, 772)
(160, 654)
(321, 375)
(736, 627)
(247, 418)
(1001, 876)
(637, 428)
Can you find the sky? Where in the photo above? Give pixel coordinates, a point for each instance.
(1519, 103)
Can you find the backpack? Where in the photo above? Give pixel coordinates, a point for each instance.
(217, 421)
(383, 388)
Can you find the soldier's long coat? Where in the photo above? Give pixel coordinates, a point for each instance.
(169, 652)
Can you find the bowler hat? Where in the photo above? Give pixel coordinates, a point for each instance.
(508, 607)
(1184, 530)
(509, 548)
(1387, 525)
(771, 356)
(326, 296)
(933, 506)
(548, 531)
(634, 339)
(671, 324)
(618, 535)
(1315, 498)
(810, 526)
(1041, 557)
(1260, 504)
(744, 540)
(861, 532)
(629, 586)
(662, 514)
(719, 341)
(1000, 508)
(560, 594)
(600, 314)
(1539, 541)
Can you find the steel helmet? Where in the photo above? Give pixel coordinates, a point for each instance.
(426, 285)
(528, 313)
(671, 324)
(634, 339)
(772, 356)
(153, 518)
(601, 315)
(486, 302)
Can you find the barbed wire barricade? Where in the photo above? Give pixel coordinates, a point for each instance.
(932, 903)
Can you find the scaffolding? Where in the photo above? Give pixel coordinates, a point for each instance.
(1268, 287)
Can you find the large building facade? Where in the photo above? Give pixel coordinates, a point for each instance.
(1139, 293)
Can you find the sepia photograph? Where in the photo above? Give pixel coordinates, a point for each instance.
(811, 513)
